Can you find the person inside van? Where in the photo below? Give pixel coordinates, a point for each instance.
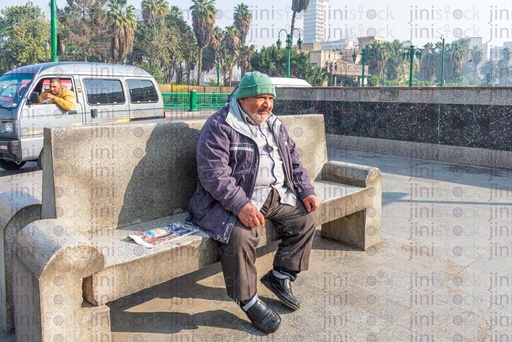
(59, 95)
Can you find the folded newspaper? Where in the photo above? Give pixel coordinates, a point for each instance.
(150, 238)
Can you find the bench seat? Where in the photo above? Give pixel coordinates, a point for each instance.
(130, 267)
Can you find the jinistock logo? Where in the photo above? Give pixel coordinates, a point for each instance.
(432, 22)
(500, 18)
(349, 22)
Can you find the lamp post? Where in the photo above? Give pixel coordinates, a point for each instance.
(411, 53)
(442, 63)
(368, 49)
(289, 42)
(53, 27)
(331, 65)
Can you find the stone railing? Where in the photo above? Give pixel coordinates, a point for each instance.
(471, 125)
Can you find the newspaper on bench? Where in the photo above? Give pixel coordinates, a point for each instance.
(150, 238)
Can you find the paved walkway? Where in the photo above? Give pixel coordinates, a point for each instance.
(442, 273)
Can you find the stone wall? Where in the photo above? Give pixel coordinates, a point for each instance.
(396, 120)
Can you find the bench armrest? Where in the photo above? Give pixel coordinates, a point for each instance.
(17, 209)
(54, 246)
(352, 174)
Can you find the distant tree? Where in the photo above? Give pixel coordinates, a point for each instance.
(186, 52)
(395, 64)
(272, 61)
(428, 63)
(153, 9)
(242, 21)
(24, 33)
(84, 30)
(155, 28)
(203, 22)
(504, 67)
(229, 47)
(244, 58)
(377, 61)
(123, 22)
(477, 56)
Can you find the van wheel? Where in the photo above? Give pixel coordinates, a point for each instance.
(10, 165)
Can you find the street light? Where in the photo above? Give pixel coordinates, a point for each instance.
(411, 53)
(367, 49)
(53, 27)
(442, 63)
(289, 38)
(331, 65)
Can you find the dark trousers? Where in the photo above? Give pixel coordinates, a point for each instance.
(295, 227)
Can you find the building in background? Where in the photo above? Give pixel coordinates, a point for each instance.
(316, 22)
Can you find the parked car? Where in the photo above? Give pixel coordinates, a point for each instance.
(105, 93)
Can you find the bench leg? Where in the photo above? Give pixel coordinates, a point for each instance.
(54, 310)
(360, 229)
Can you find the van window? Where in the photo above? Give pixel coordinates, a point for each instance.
(142, 91)
(100, 91)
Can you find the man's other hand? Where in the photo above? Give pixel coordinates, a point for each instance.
(250, 216)
(311, 203)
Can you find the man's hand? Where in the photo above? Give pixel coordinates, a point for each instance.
(311, 203)
(250, 216)
(50, 96)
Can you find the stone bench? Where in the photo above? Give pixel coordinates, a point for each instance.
(102, 183)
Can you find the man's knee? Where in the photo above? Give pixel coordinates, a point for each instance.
(241, 236)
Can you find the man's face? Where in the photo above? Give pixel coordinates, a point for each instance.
(55, 88)
(258, 108)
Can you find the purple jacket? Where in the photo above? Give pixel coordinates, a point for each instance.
(227, 158)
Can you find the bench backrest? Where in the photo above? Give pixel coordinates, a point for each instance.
(105, 177)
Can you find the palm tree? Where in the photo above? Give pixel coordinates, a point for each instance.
(396, 65)
(297, 7)
(229, 46)
(244, 58)
(428, 63)
(377, 62)
(203, 22)
(186, 56)
(477, 56)
(242, 20)
(218, 37)
(152, 9)
(122, 17)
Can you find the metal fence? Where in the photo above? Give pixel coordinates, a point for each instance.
(193, 101)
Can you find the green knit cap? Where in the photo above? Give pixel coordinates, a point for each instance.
(255, 83)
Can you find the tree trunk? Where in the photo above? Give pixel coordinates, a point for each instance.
(230, 74)
(199, 65)
(292, 26)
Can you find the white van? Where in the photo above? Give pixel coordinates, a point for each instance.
(287, 82)
(105, 93)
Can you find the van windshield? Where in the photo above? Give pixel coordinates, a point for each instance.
(12, 89)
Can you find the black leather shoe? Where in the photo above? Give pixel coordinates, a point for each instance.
(282, 289)
(263, 317)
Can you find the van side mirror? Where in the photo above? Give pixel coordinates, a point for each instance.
(34, 98)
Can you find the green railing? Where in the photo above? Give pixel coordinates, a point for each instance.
(194, 101)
